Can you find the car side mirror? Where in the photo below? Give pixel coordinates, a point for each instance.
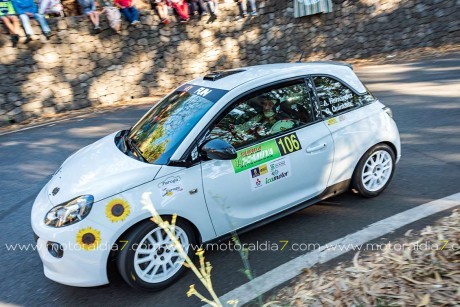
(218, 149)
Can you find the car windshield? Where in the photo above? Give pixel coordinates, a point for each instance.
(158, 134)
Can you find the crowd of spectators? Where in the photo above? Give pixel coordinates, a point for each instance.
(10, 10)
(25, 9)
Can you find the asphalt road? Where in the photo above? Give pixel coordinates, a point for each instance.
(424, 97)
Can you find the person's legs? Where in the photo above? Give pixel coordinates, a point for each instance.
(12, 24)
(90, 16)
(212, 7)
(15, 22)
(134, 13)
(202, 8)
(216, 6)
(181, 9)
(117, 26)
(191, 6)
(43, 6)
(114, 17)
(25, 20)
(162, 11)
(43, 24)
(158, 7)
(94, 17)
(243, 7)
(127, 13)
(185, 9)
(165, 11)
(252, 3)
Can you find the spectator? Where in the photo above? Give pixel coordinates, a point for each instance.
(51, 7)
(243, 6)
(8, 17)
(129, 10)
(181, 8)
(161, 8)
(212, 7)
(198, 7)
(113, 16)
(26, 9)
(89, 9)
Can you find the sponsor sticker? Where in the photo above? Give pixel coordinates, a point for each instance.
(170, 187)
(273, 171)
(261, 170)
(267, 151)
(336, 120)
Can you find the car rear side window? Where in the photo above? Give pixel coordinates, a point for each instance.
(336, 98)
(265, 113)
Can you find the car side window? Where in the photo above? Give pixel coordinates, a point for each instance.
(266, 113)
(336, 98)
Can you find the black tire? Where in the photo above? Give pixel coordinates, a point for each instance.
(126, 257)
(357, 183)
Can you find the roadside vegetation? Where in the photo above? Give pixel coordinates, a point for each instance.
(425, 271)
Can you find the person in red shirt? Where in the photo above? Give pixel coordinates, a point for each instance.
(129, 10)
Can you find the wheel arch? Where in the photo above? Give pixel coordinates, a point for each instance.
(390, 144)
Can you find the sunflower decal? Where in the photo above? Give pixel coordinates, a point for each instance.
(117, 210)
(88, 238)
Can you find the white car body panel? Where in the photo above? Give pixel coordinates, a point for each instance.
(99, 169)
(357, 131)
(79, 270)
(232, 201)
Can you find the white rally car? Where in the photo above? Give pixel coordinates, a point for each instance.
(225, 152)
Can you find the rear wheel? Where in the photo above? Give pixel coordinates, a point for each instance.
(374, 171)
(150, 261)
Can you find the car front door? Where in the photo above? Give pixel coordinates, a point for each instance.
(285, 155)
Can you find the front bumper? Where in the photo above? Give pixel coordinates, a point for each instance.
(71, 269)
(78, 266)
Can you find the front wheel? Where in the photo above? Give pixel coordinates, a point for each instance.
(149, 261)
(374, 171)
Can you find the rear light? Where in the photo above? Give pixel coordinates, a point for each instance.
(388, 111)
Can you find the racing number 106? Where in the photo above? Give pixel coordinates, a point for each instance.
(288, 144)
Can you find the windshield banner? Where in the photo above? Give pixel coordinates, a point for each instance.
(209, 93)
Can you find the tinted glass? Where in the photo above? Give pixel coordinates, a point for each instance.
(336, 98)
(276, 110)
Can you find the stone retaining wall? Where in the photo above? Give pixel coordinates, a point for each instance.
(77, 68)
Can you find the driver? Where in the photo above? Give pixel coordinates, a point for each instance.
(261, 124)
(268, 117)
(269, 120)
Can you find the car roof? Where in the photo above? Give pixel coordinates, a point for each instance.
(229, 79)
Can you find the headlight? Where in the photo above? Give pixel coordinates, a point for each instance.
(70, 212)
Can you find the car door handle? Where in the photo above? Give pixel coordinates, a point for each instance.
(316, 148)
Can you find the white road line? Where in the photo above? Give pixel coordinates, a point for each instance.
(291, 269)
(51, 123)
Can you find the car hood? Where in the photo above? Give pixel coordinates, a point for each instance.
(99, 169)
